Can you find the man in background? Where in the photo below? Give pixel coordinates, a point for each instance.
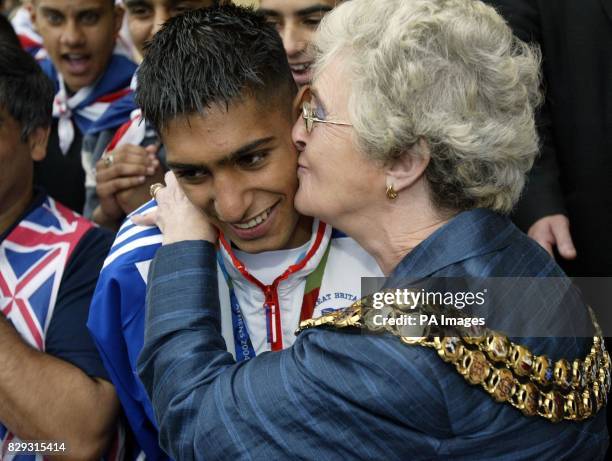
(53, 386)
(79, 37)
(296, 21)
(567, 206)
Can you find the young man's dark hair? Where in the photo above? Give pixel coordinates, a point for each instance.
(25, 92)
(179, 76)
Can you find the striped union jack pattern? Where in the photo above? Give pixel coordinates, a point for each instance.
(32, 262)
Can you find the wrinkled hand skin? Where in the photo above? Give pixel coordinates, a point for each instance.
(177, 218)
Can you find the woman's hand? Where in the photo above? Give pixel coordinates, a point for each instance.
(176, 216)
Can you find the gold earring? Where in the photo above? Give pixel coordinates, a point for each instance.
(391, 192)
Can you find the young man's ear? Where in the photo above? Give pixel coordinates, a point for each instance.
(406, 170)
(37, 142)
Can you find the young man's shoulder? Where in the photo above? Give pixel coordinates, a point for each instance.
(349, 254)
(134, 243)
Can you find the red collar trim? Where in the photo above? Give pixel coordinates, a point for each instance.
(290, 270)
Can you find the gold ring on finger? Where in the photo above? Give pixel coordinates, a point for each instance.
(108, 159)
(154, 189)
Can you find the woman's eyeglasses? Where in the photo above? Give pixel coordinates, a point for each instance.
(308, 114)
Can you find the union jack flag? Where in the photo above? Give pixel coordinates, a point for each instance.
(32, 262)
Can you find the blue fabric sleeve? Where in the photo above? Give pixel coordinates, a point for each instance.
(333, 395)
(116, 323)
(68, 337)
(298, 403)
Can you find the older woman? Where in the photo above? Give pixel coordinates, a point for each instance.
(415, 139)
(407, 127)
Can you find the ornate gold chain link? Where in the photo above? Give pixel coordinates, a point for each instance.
(509, 372)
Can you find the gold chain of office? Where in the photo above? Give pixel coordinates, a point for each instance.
(508, 372)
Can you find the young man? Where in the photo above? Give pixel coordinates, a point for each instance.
(53, 386)
(296, 21)
(226, 126)
(121, 186)
(79, 37)
(145, 17)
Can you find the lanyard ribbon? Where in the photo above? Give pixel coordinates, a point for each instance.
(242, 341)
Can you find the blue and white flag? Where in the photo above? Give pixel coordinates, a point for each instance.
(88, 104)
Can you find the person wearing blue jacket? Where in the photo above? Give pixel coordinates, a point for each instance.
(415, 139)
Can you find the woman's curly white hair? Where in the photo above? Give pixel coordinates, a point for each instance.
(449, 72)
